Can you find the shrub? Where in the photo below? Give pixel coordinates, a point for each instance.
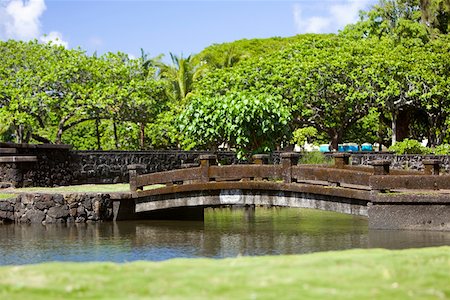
(315, 158)
(443, 149)
(408, 146)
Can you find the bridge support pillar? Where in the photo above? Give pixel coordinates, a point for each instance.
(411, 216)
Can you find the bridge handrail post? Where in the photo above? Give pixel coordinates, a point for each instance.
(206, 160)
(381, 167)
(431, 166)
(260, 159)
(341, 159)
(133, 171)
(288, 159)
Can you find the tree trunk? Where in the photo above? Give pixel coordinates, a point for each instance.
(142, 135)
(336, 138)
(403, 121)
(116, 139)
(380, 133)
(97, 133)
(394, 127)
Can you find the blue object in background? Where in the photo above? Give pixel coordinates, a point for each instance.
(324, 148)
(366, 147)
(341, 148)
(352, 147)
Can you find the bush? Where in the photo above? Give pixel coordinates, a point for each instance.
(408, 146)
(443, 149)
(315, 158)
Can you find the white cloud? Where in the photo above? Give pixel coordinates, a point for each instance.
(308, 25)
(333, 17)
(20, 19)
(55, 38)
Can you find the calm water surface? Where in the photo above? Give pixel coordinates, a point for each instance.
(225, 233)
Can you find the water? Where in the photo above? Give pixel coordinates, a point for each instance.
(225, 233)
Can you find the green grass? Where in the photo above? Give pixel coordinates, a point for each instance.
(85, 188)
(354, 274)
(6, 196)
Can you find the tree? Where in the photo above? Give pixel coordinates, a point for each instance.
(325, 80)
(180, 76)
(251, 123)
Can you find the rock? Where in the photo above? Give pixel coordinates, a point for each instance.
(27, 198)
(87, 203)
(48, 220)
(58, 199)
(57, 212)
(35, 216)
(73, 211)
(7, 216)
(80, 220)
(5, 205)
(81, 211)
(43, 205)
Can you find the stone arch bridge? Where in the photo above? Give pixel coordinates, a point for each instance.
(391, 199)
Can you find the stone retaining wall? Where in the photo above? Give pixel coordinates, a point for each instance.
(111, 166)
(403, 162)
(24, 165)
(56, 208)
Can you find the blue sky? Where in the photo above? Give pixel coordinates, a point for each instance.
(168, 26)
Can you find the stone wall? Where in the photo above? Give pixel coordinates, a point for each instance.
(23, 165)
(111, 166)
(404, 162)
(56, 208)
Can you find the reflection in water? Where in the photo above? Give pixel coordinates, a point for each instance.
(225, 233)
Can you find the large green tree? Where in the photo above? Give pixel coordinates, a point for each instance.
(248, 122)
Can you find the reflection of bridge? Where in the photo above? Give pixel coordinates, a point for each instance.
(392, 199)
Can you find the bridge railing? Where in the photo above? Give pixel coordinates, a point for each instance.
(379, 177)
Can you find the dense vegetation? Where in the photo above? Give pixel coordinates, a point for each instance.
(383, 79)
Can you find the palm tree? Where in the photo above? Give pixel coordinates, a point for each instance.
(180, 75)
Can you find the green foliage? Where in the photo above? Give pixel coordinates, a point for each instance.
(326, 80)
(302, 135)
(314, 158)
(443, 149)
(348, 87)
(408, 146)
(228, 55)
(251, 123)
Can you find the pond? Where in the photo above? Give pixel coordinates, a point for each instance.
(225, 233)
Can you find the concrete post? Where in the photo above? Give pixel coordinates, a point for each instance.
(381, 167)
(133, 171)
(341, 159)
(431, 166)
(260, 159)
(206, 160)
(288, 159)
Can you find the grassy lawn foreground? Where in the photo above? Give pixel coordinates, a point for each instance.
(353, 274)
